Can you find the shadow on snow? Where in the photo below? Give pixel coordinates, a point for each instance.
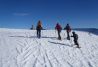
(59, 43)
(32, 37)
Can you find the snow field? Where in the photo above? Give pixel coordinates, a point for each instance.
(21, 48)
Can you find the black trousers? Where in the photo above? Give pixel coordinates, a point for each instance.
(59, 36)
(76, 43)
(38, 33)
(68, 37)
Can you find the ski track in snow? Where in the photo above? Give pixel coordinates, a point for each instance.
(29, 51)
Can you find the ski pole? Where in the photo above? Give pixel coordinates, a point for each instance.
(55, 31)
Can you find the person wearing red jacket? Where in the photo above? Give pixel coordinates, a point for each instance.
(58, 28)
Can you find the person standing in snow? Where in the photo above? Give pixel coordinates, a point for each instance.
(32, 28)
(39, 28)
(75, 36)
(58, 28)
(68, 30)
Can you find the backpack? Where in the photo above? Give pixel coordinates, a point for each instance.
(68, 28)
(58, 27)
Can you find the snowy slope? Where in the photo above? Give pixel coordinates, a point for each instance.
(21, 48)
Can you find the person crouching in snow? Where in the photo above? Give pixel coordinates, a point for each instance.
(58, 28)
(75, 36)
(39, 28)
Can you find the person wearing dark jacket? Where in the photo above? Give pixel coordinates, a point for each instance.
(39, 28)
(68, 30)
(75, 36)
(58, 28)
(32, 28)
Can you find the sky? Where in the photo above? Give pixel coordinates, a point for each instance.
(22, 14)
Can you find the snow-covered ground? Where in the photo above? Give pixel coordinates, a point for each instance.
(21, 48)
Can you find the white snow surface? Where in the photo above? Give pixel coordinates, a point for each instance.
(21, 48)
